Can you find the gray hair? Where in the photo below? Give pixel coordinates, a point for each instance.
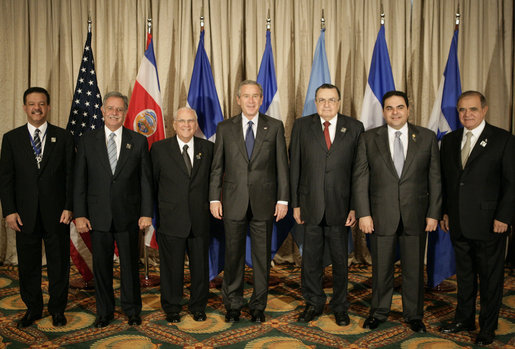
(249, 82)
(184, 108)
(117, 95)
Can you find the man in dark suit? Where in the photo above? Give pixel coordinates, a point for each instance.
(113, 200)
(322, 152)
(250, 162)
(478, 175)
(397, 192)
(181, 175)
(36, 171)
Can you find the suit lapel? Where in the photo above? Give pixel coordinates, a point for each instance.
(49, 145)
(318, 133)
(412, 148)
(340, 132)
(26, 146)
(198, 153)
(238, 131)
(384, 148)
(261, 132)
(480, 146)
(125, 151)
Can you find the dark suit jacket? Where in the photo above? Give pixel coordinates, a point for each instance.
(119, 199)
(379, 192)
(321, 179)
(485, 189)
(183, 202)
(24, 187)
(262, 181)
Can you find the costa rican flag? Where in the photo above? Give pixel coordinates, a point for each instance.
(145, 114)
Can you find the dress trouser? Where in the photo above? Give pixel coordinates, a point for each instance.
(412, 248)
(234, 270)
(483, 258)
(315, 239)
(171, 253)
(57, 250)
(102, 243)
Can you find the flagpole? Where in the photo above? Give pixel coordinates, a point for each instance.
(148, 280)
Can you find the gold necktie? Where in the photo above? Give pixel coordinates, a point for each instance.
(465, 152)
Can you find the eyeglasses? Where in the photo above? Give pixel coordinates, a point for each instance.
(114, 109)
(183, 121)
(330, 101)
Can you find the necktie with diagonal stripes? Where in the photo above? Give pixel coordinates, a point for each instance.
(111, 152)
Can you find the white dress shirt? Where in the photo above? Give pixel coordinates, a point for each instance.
(245, 122)
(117, 139)
(475, 135)
(42, 134)
(190, 148)
(403, 137)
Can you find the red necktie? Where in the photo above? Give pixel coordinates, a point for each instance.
(326, 134)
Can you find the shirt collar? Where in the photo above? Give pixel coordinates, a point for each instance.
(332, 121)
(41, 128)
(181, 143)
(118, 132)
(403, 129)
(477, 131)
(245, 120)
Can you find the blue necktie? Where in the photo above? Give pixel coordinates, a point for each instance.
(249, 139)
(111, 152)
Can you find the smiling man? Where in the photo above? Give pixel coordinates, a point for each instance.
(397, 193)
(478, 173)
(248, 188)
(113, 200)
(181, 167)
(36, 172)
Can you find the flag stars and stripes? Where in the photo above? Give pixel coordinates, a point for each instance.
(83, 70)
(85, 59)
(79, 90)
(75, 111)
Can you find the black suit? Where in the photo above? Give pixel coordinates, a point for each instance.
(399, 208)
(251, 189)
(473, 197)
(183, 221)
(321, 186)
(39, 196)
(114, 204)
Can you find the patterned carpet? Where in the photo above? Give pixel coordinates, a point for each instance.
(280, 331)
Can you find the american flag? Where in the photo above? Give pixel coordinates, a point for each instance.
(85, 113)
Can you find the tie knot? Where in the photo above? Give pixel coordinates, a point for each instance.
(250, 123)
(326, 124)
(37, 131)
(185, 148)
(468, 134)
(398, 134)
(112, 135)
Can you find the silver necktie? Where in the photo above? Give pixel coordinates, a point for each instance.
(111, 152)
(398, 153)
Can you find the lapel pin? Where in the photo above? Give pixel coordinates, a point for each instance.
(483, 142)
(198, 156)
(128, 146)
(53, 140)
(414, 137)
(265, 127)
(343, 130)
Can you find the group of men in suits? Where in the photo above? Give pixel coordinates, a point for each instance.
(390, 179)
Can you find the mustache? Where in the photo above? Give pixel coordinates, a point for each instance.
(114, 117)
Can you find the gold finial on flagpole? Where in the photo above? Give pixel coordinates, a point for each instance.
(382, 14)
(322, 21)
(202, 18)
(268, 21)
(89, 23)
(458, 16)
(149, 25)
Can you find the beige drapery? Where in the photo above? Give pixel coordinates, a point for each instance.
(42, 43)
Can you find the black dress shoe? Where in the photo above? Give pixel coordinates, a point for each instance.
(102, 321)
(134, 320)
(199, 316)
(456, 327)
(372, 323)
(257, 316)
(58, 319)
(309, 314)
(173, 318)
(341, 318)
(232, 316)
(28, 319)
(484, 339)
(417, 326)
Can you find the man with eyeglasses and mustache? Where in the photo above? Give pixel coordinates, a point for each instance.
(321, 155)
(113, 200)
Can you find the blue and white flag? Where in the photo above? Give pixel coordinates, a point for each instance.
(202, 95)
(266, 78)
(319, 75)
(203, 98)
(380, 81)
(441, 263)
